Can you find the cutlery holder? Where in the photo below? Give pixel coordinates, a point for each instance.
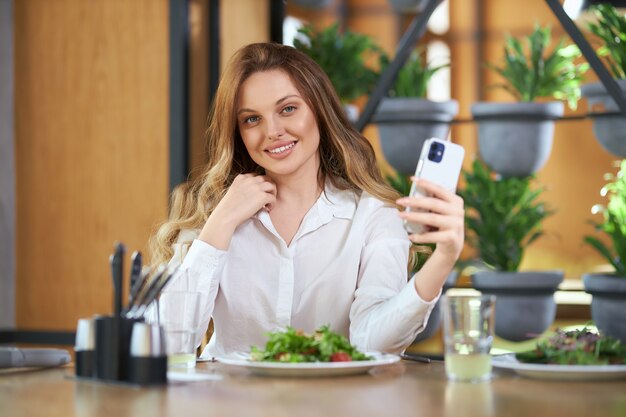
(107, 348)
(148, 370)
(111, 356)
(84, 363)
(125, 331)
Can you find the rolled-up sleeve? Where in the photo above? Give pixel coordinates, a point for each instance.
(387, 313)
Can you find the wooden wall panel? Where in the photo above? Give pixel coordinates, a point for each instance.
(92, 140)
(242, 22)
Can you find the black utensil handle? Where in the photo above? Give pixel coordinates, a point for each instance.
(117, 271)
(135, 274)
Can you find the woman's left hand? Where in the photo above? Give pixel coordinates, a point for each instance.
(441, 213)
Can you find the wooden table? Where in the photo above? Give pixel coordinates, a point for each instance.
(402, 389)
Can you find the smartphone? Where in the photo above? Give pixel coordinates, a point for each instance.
(440, 162)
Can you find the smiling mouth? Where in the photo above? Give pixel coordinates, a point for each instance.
(282, 149)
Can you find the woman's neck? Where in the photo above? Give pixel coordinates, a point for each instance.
(297, 191)
(294, 198)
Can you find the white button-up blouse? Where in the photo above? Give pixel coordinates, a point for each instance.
(345, 267)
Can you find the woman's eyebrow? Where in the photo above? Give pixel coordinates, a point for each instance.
(286, 97)
(280, 100)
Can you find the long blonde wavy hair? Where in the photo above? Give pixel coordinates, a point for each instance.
(347, 158)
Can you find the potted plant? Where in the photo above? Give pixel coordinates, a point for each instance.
(502, 218)
(421, 253)
(515, 139)
(343, 56)
(406, 118)
(608, 290)
(610, 31)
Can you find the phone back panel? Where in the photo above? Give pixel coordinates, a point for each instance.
(446, 171)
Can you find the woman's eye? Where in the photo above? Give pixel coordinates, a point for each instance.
(289, 109)
(251, 119)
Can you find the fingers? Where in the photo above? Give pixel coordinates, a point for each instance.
(434, 220)
(436, 205)
(448, 236)
(249, 193)
(450, 241)
(435, 190)
(442, 214)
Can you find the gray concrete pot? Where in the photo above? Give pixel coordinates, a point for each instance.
(608, 303)
(434, 321)
(408, 6)
(610, 131)
(525, 305)
(405, 123)
(515, 139)
(312, 4)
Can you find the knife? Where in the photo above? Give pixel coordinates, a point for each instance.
(117, 272)
(146, 290)
(135, 275)
(155, 290)
(139, 288)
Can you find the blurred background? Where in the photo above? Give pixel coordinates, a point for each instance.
(103, 106)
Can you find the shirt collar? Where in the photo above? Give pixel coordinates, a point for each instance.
(333, 202)
(336, 203)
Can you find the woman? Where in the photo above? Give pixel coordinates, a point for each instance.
(292, 224)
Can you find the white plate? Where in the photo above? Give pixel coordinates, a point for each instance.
(309, 369)
(571, 372)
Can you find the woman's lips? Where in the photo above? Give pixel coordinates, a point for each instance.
(281, 151)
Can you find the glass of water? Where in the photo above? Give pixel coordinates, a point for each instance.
(179, 316)
(468, 323)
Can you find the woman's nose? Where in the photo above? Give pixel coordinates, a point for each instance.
(275, 128)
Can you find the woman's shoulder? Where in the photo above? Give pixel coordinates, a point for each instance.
(374, 203)
(186, 236)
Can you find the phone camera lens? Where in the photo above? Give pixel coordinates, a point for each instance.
(435, 153)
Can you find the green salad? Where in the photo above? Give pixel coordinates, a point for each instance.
(576, 347)
(296, 346)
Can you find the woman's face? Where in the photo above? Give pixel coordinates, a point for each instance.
(278, 128)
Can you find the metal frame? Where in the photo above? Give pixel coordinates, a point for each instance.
(277, 16)
(418, 27)
(412, 35)
(585, 48)
(179, 88)
(214, 48)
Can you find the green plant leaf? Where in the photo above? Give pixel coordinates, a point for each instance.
(502, 217)
(413, 78)
(610, 31)
(614, 221)
(343, 56)
(537, 72)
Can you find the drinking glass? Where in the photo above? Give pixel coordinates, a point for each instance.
(179, 316)
(468, 323)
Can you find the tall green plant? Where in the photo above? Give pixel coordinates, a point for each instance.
(614, 224)
(502, 217)
(413, 78)
(343, 56)
(539, 73)
(610, 28)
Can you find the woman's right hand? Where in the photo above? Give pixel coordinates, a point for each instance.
(248, 194)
